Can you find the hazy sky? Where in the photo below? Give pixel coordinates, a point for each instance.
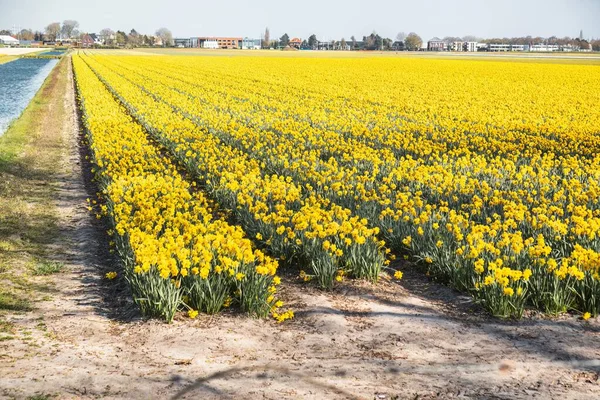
(329, 19)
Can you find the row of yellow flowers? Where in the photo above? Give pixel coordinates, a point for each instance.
(175, 253)
(285, 218)
(487, 202)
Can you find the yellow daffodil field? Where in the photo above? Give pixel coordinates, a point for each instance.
(215, 172)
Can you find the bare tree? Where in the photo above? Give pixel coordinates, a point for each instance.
(266, 39)
(343, 43)
(107, 36)
(165, 36)
(53, 30)
(26, 34)
(400, 37)
(134, 38)
(68, 28)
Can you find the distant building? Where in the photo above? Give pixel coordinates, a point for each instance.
(221, 42)
(182, 42)
(345, 47)
(324, 45)
(499, 47)
(96, 39)
(470, 46)
(398, 45)
(251, 44)
(107, 39)
(87, 41)
(295, 42)
(456, 46)
(463, 46)
(519, 47)
(570, 47)
(8, 40)
(544, 47)
(436, 44)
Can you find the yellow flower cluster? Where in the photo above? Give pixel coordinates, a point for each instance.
(292, 219)
(165, 230)
(487, 172)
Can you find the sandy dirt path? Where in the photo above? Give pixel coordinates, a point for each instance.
(412, 339)
(19, 51)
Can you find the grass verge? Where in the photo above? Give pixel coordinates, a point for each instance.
(5, 59)
(30, 154)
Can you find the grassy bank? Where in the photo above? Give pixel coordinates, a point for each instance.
(5, 59)
(30, 154)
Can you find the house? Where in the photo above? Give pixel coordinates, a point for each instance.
(324, 45)
(96, 39)
(107, 39)
(569, 47)
(8, 40)
(87, 41)
(436, 44)
(295, 42)
(398, 45)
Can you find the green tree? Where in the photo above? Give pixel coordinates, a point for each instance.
(387, 44)
(121, 38)
(284, 40)
(373, 42)
(413, 41)
(312, 41)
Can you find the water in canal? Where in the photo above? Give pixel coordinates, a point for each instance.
(19, 81)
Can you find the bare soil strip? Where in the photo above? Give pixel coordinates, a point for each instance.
(415, 339)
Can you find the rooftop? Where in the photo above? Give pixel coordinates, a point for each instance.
(7, 38)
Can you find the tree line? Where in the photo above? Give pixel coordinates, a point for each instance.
(374, 41)
(69, 30)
